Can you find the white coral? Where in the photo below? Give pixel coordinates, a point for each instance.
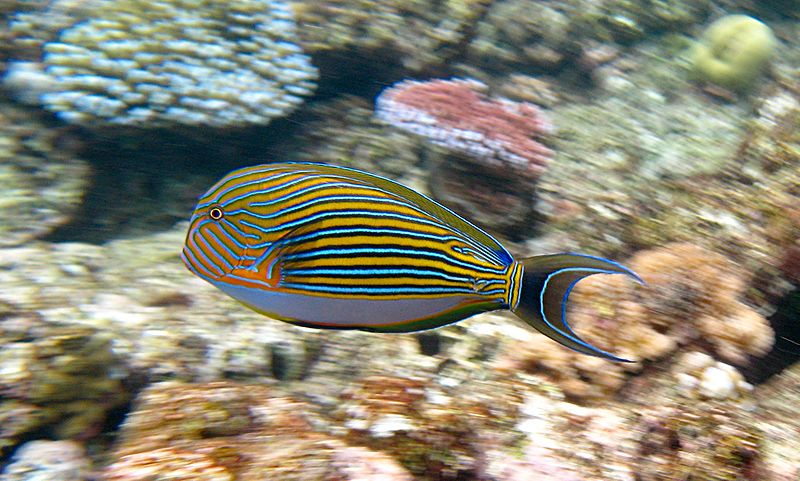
(152, 62)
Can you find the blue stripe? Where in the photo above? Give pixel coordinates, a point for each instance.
(274, 188)
(260, 180)
(322, 200)
(194, 262)
(312, 188)
(331, 231)
(217, 255)
(571, 335)
(379, 250)
(384, 290)
(379, 231)
(230, 178)
(222, 244)
(500, 251)
(196, 248)
(323, 215)
(354, 272)
(239, 231)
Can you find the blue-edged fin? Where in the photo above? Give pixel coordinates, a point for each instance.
(425, 203)
(546, 284)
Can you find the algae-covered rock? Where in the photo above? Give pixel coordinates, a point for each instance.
(224, 431)
(48, 461)
(517, 35)
(733, 52)
(650, 162)
(651, 433)
(41, 179)
(417, 34)
(345, 132)
(59, 380)
(778, 400)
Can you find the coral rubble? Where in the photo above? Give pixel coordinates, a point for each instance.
(48, 461)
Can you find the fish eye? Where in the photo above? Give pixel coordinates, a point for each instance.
(215, 213)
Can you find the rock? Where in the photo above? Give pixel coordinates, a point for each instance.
(48, 461)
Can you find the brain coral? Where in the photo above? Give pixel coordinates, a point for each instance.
(149, 62)
(734, 50)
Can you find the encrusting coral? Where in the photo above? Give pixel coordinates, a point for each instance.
(691, 298)
(150, 63)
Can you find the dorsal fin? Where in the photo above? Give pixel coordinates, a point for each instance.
(425, 203)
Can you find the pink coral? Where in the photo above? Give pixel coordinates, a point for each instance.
(457, 115)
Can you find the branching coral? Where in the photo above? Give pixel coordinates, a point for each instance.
(151, 62)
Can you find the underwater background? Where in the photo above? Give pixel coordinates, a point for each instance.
(662, 134)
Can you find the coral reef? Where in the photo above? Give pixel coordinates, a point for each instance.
(432, 440)
(708, 442)
(41, 177)
(625, 178)
(630, 19)
(164, 63)
(345, 132)
(733, 52)
(163, 324)
(560, 33)
(226, 431)
(691, 297)
(56, 380)
(417, 34)
(48, 461)
(494, 145)
(456, 115)
(703, 191)
(499, 35)
(650, 433)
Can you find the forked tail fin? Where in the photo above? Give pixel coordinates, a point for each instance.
(546, 284)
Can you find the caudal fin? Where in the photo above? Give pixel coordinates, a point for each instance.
(546, 284)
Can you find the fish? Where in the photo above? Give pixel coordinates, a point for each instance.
(323, 246)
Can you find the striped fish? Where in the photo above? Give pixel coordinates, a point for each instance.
(330, 247)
